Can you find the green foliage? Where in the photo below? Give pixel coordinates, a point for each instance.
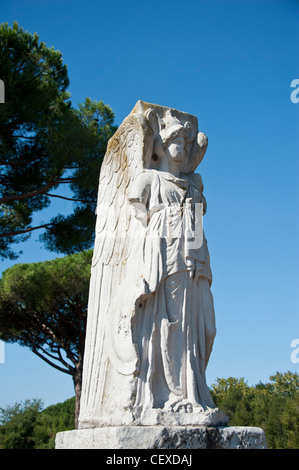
(75, 232)
(272, 406)
(45, 145)
(54, 419)
(43, 305)
(17, 424)
(26, 426)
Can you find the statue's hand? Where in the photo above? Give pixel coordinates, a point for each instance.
(199, 265)
(139, 211)
(195, 267)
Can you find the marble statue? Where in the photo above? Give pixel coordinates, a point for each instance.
(151, 320)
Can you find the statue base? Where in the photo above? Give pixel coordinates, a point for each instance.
(163, 437)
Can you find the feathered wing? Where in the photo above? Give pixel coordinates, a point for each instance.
(125, 157)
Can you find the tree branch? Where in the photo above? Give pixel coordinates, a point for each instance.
(61, 369)
(63, 197)
(25, 137)
(59, 358)
(19, 232)
(47, 329)
(35, 192)
(67, 180)
(21, 163)
(51, 355)
(62, 360)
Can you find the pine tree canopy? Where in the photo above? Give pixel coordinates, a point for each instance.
(48, 149)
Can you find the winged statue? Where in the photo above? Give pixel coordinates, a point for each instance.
(151, 319)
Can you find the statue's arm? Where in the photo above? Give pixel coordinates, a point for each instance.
(196, 258)
(138, 196)
(197, 181)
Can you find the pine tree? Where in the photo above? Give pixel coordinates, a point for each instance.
(43, 306)
(46, 145)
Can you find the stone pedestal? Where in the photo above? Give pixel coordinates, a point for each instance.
(162, 437)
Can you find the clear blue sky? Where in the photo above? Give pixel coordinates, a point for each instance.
(230, 63)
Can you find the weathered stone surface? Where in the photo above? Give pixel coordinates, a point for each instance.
(151, 320)
(161, 437)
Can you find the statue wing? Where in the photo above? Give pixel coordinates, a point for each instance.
(125, 157)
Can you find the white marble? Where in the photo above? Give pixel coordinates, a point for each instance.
(160, 437)
(151, 320)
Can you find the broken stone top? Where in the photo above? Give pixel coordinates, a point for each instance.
(167, 124)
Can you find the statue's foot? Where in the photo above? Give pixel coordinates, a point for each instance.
(183, 406)
(179, 405)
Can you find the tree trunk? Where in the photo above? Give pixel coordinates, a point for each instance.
(77, 378)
